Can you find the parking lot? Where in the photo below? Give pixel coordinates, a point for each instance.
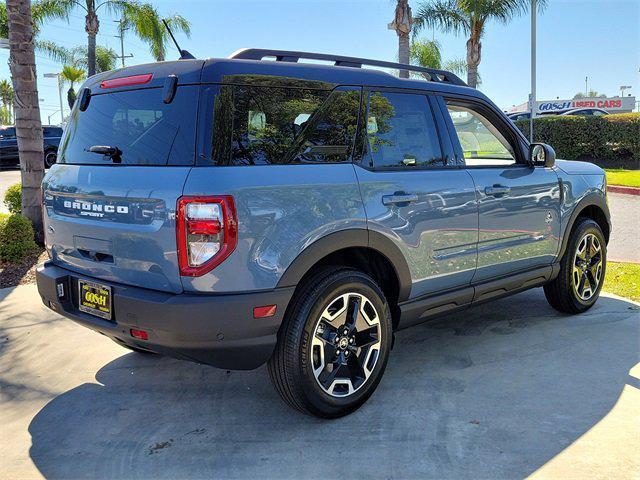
(505, 390)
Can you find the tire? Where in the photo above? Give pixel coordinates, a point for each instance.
(311, 368)
(563, 293)
(50, 158)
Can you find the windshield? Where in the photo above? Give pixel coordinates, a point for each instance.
(138, 124)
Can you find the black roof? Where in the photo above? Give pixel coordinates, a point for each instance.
(345, 71)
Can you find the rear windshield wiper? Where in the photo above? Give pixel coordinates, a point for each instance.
(114, 153)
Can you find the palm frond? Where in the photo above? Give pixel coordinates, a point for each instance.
(446, 15)
(425, 54)
(55, 52)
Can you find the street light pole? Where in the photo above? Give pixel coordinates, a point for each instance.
(58, 76)
(532, 97)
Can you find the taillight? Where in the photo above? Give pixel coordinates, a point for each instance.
(207, 230)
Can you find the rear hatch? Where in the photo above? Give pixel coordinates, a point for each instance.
(111, 198)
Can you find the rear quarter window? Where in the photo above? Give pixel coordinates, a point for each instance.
(145, 129)
(257, 125)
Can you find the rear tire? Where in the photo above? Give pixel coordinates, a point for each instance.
(582, 270)
(333, 345)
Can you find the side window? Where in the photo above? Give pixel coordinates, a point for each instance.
(482, 143)
(274, 125)
(402, 131)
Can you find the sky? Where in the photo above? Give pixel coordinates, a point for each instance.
(598, 39)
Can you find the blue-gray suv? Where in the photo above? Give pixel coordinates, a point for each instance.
(262, 209)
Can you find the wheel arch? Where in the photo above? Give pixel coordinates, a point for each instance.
(593, 206)
(368, 251)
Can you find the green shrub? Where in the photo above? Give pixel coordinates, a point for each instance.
(16, 237)
(609, 137)
(13, 198)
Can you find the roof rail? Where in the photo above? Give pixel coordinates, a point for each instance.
(430, 74)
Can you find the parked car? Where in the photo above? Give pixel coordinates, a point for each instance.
(9, 145)
(519, 116)
(595, 112)
(239, 211)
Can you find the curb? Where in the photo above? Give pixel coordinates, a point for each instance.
(625, 190)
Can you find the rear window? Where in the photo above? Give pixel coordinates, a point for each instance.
(279, 125)
(137, 122)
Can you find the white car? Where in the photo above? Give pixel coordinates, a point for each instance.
(595, 112)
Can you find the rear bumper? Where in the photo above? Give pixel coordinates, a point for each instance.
(217, 330)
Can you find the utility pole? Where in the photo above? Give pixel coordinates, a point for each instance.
(121, 29)
(532, 97)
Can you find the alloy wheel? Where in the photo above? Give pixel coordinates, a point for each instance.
(587, 267)
(346, 344)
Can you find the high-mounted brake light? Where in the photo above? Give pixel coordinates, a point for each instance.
(207, 233)
(127, 81)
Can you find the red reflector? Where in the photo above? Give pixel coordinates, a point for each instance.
(203, 227)
(139, 334)
(265, 311)
(127, 81)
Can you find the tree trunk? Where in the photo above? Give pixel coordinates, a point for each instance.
(92, 25)
(403, 52)
(22, 62)
(474, 51)
(402, 22)
(71, 97)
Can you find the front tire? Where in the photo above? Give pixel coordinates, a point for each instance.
(333, 345)
(582, 270)
(50, 158)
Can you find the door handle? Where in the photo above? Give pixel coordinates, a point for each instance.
(399, 198)
(496, 190)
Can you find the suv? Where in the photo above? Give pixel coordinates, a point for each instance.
(9, 145)
(242, 211)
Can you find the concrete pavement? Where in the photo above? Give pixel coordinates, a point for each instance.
(505, 390)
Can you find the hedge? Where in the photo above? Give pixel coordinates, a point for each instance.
(608, 139)
(13, 198)
(16, 237)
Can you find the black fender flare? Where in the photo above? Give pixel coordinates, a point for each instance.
(350, 238)
(591, 199)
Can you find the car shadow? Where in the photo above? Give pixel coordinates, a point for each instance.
(496, 391)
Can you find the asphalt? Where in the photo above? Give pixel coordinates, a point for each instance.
(625, 235)
(509, 389)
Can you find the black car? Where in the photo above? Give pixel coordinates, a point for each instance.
(9, 145)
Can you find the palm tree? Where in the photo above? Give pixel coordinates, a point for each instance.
(144, 19)
(41, 10)
(469, 17)
(71, 75)
(149, 27)
(6, 97)
(402, 22)
(106, 58)
(22, 62)
(427, 54)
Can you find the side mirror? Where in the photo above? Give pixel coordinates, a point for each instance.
(542, 155)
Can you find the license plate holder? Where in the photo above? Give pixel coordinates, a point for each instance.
(94, 299)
